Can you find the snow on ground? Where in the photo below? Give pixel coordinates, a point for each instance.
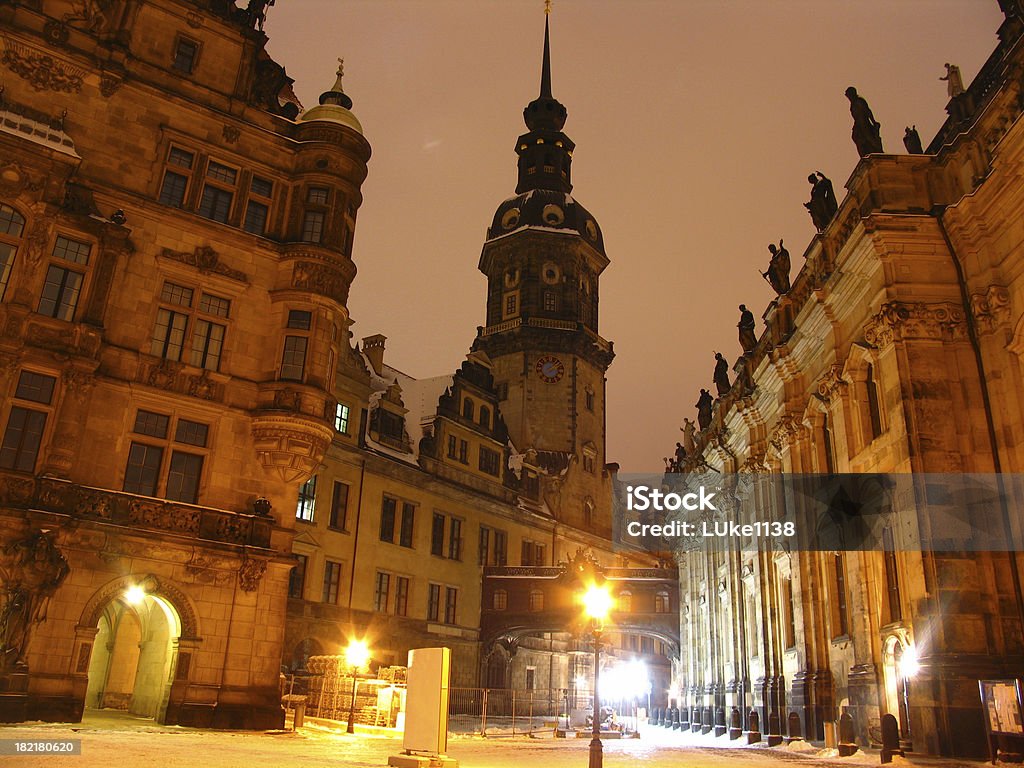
(125, 742)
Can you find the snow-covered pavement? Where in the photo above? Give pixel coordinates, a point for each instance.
(123, 742)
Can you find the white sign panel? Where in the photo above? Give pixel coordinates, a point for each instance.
(426, 712)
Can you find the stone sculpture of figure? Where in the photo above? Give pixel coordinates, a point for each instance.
(721, 376)
(912, 141)
(748, 336)
(688, 429)
(680, 454)
(954, 83)
(867, 133)
(823, 204)
(778, 268)
(30, 571)
(704, 405)
(257, 10)
(744, 382)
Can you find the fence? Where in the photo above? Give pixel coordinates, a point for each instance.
(505, 712)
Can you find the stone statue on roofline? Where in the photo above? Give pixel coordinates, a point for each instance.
(689, 443)
(721, 375)
(747, 328)
(867, 132)
(954, 83)
(823, 204)
(778, 269)
(912, 140)
(704, 405)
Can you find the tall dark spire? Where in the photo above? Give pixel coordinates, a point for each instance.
(545, 153)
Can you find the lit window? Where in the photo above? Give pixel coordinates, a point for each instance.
(306, 501)
(341, 419)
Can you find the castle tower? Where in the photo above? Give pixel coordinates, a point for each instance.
(543, 258)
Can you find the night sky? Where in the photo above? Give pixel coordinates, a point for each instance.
(696, 124)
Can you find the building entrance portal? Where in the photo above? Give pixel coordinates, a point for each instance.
(133, 657)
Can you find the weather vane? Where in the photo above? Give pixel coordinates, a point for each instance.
(547, 7)
(341, 67)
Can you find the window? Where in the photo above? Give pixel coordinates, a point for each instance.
(332, 580)
(536, 602)
(531, 674)
(63, 285)
(662, 603)
(789, 612)
(307, 500)
(874, 411)
(484, 546)
(454, 539)
(624, 602)
(588, 513)
(502, 390)
(293, 359)
(11, 227)
(300, 319)
(218, 192)
(588, 463)
(402, 596)
(500, 548)
(500, 602)
(464, 451)
(485, 417)
(892, 581)
(433, 602)
(532, 553)
(148, 462)
(381, 591)
(387, 519)
(341, 419)
(452, 450)
(590, 399)
(450, 597)
(550, 301)
(317, 199)
(257, 209)
(467, 409)
(297, 578)
(841, 626)
(170, 332)
(339, 506)
(405, 532)
(437, 535)
(24, 433)
(826, 434)
(185, 54)
(177, 175)
(511, 304)
(490, 461)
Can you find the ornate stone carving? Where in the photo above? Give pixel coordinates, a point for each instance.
(109, 84)
(56, 33)
(207, 261)
(166, 517)
(897, 321)
(14, 180)
(231, 134)
(194, 20)
(290, 445)
(250, 573)
(321, 279)
(42, 72)
(991, 308)
(163, 375)
(786, 431)
(832, 382)
(203, 387)
(16, 491)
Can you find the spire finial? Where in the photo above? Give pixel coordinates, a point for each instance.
(545, 72)
(340, 74)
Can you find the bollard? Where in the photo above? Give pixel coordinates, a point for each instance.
(300, 714)
(774, 729)
(707, 723)
(793, 728)
(735, 724)
(684, 719)
(695, 720)
(846, 735)
(720, 727)
(754, 731)
(890, 738)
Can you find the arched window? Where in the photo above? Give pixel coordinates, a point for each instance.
(500, 600)
(826, 433)
(485, 417)
(12, 225)
(536, 600)
(624, 602)
(588, 513)
(467, 409)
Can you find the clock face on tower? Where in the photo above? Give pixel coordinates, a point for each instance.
(550, 369)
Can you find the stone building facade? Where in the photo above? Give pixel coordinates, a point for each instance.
(897, 349)
(175, 262)
(201, 476)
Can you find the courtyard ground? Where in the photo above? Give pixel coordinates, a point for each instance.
(114, 740)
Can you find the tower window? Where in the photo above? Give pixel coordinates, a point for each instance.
(550, 301)
(467, 409)
(590, 399)
(511, 304)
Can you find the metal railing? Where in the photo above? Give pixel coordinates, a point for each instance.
(505, 711)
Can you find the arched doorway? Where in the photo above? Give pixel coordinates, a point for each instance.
(895, 682)
(134, 654)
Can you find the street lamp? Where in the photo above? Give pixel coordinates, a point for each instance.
(356, 656)
(597, 603)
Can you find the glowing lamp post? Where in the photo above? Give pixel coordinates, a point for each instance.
(356, 655)
(597, 603)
